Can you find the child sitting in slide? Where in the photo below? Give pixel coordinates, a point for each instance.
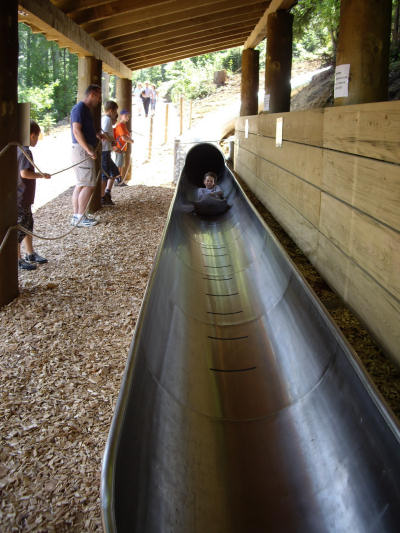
(210, 199)
(211, 189)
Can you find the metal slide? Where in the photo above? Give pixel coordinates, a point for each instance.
(242, 408)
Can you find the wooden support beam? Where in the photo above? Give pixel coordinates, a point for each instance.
(224, 10)
(201, 26)
(260, 31)
(278, 63)
(249, 82)
(364, 39)
(124, 100)
(50, 19)
(8, 161)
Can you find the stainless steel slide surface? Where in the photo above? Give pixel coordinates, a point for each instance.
(242, 408)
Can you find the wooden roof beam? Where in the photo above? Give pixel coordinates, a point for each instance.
(219, 44)
(221, 9)
(70, 6)
(173, 11)
(211, 21)
(82, 10)
(186, 43)
(171, 44)
(260, 31)
(184, 47)
(146, 38)
(124, 8)
(53, 21)
(136, 65)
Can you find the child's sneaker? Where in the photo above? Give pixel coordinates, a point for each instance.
(106, 200)
(35, 258)
(24, 265)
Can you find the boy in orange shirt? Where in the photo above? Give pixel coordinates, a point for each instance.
(122, 137)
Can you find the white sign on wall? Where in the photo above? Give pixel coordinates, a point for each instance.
(279, 132)
(342, 74)
(266, 102)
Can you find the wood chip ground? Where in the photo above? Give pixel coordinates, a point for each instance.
(63, 346)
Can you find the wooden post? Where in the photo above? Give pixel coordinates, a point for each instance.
(166, 124)
(89, 71)
(180, 115)
(278, 63)
(150, 138)
(190, 114)
(8, 161)
(177, 166)
(24, 123)
(364, 39)
(249, 82)
(124, 100)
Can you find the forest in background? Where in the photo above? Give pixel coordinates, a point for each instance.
(47, 74)
(47, 77)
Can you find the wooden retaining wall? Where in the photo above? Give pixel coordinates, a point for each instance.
(334, 185)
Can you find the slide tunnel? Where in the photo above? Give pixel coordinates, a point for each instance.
(242, 408)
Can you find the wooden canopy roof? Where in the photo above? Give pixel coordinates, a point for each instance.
(132, 34)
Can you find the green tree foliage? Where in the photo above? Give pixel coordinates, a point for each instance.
(47, 77)
(192, 77)
(315, 28)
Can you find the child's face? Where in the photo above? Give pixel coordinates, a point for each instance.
(125, 117)
(113, 114)
(209, 182)
(34, 137)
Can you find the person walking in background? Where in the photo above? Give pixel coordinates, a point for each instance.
(153, 99)
(122, 138)
(145, 95)
(84, 141)
(25, 197)
(109, 169)
(137, 98)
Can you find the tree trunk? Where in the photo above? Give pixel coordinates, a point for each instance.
(334, 41)
(395, 28)
(28, 78)
(55, 60)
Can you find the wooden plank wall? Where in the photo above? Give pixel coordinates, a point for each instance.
(334, 185)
